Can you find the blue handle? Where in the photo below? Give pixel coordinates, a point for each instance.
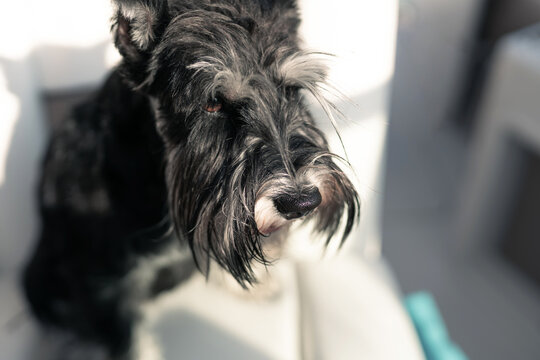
(431, 329)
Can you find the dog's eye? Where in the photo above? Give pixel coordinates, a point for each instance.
(213, 105)
(292, 90)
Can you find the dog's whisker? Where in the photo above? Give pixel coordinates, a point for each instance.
(327, 106)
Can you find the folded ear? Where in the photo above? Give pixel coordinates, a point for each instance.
(137, 27)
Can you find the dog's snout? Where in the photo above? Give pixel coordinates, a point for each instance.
(298, 205)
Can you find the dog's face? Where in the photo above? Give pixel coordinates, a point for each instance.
(243, 155)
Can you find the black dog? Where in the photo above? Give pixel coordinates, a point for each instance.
(199, 143)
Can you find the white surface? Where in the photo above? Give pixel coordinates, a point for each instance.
(20, 152)
(350, 304)
(201, 320)
(11, 108)
(66, 40)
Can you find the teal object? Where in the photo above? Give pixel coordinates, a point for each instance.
(431, 329)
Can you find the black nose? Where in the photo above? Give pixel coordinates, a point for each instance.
(298, 205)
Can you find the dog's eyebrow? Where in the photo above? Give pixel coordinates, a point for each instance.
(303, 70)
(232, 85)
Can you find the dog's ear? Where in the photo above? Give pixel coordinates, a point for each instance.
(137, 27)
(138, 24)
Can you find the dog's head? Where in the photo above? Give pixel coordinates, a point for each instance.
(244, 157)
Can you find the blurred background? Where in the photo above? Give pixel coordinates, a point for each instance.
(456, 184)
(461, 210)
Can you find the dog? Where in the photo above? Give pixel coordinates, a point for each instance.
(198, 152)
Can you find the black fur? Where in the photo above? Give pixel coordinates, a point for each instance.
(149, 162)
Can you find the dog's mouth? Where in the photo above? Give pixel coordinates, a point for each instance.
(267, 228)
(269, 231)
